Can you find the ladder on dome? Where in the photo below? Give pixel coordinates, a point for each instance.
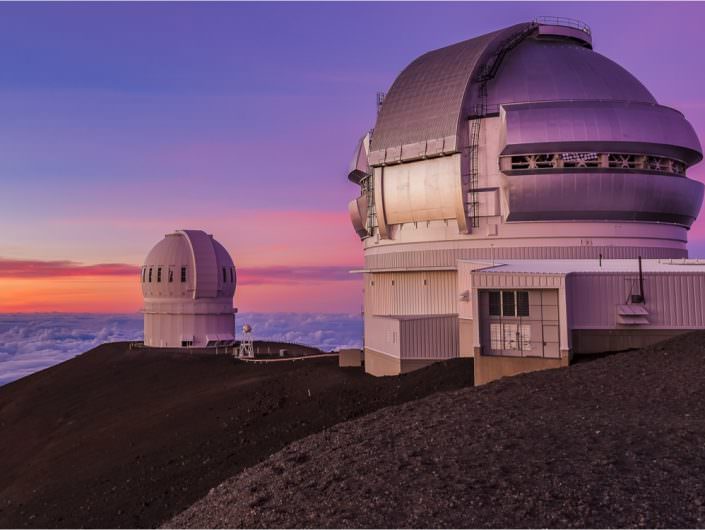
(487, 72)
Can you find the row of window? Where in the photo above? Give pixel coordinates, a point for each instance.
(591, 160)
(150, 274)
(509, 303)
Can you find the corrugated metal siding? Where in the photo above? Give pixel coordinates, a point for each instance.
(449, 257)
(510, 280)
(404, 293)
(429, 338)
(673, 300)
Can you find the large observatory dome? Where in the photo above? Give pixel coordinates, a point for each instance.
(526, 147)
(523, 143)
(188, 282)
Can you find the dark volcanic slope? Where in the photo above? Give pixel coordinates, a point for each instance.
(115, 438)
(618, 442)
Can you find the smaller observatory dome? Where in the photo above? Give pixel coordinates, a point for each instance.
(188, 283)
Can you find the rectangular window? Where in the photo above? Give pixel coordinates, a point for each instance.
(171, 275)
(495, 304)
(522, 303)
(159, 274)
(150, 275)
(508, 307)
(225, 276)
(183, 274)
(232, 278)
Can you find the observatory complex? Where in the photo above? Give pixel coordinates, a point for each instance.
(188, 283)
(524, 199)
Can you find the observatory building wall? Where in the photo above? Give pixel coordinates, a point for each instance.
(521, 145)
(602, 321)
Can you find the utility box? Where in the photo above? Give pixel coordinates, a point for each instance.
(350, 358)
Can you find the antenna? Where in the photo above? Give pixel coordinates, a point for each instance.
(380, 101)
(639, 298)
(641, 283)
(246, 349)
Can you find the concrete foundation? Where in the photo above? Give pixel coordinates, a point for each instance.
(350, 358)
(379, 364)
(586, 341)
(492, 367)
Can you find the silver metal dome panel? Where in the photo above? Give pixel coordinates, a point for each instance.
(550, 70)
(428, 98)
(603, 197)
(600, 126)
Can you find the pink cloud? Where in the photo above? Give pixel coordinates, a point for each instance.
(18, 268)
(269, 275)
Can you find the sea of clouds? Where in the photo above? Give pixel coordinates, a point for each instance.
(32, 342)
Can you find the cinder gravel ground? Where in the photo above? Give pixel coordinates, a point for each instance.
(117, 438)
(617, 442)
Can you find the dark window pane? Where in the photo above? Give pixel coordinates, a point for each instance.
(522, 303)
(508, 309)
(150, 275)
(171, 275)
(183, 274)
(225, 275)
(159, 274)
(495, 304)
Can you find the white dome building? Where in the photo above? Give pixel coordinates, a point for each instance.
(188, 283)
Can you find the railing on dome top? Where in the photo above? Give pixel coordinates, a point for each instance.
(563, 21)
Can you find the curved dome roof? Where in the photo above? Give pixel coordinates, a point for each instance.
(429, 101)
(551, 70)
(209, 269)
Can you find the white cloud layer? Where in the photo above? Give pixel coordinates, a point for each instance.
(31, 342)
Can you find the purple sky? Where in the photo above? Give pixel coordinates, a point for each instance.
(121, 122)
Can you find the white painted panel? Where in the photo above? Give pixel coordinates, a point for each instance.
(550, 333)
(411, 293)
(381, 334)
(422, 191)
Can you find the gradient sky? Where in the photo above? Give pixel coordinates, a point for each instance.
(122, 122)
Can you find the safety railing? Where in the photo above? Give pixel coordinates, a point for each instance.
(563, 21)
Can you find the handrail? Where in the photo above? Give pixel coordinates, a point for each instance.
(563, 21)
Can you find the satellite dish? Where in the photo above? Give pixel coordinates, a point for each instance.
(246, 328)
